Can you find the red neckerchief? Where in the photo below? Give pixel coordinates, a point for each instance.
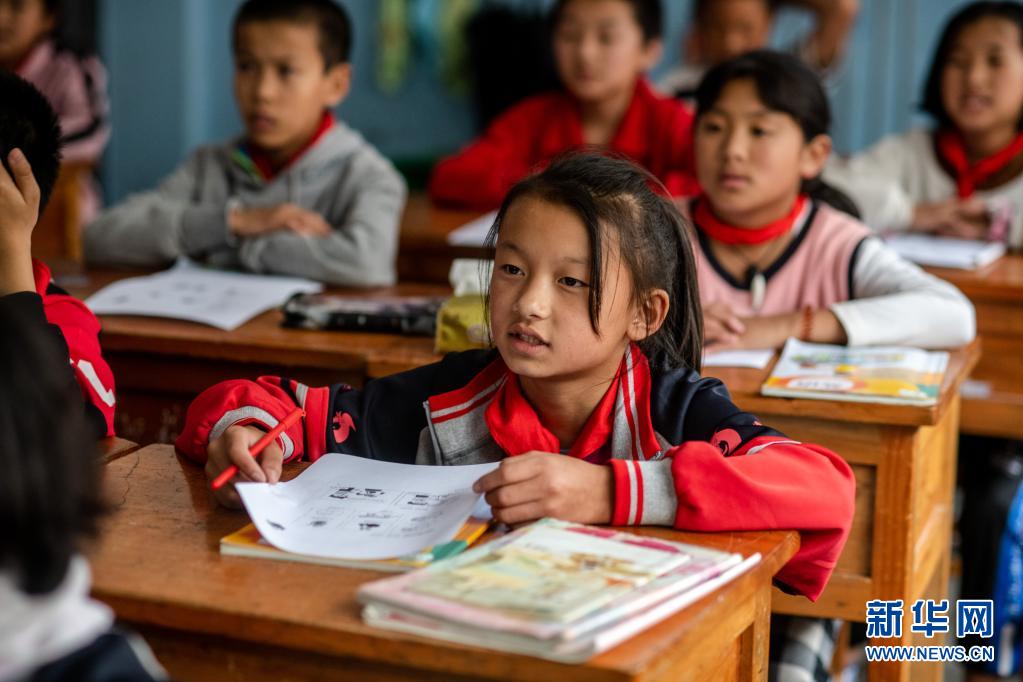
(952, 148)
(720, 231)
(262, 161)
(516, 427)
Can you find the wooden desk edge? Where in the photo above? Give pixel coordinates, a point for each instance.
(114, 448)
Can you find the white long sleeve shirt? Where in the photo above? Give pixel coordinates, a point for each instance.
(887, 181)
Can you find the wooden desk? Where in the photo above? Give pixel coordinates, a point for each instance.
(115, 448)
(997, 293)
(904, 460)
(424, 254)
(903, 457)
(209, 617)
(160, 365)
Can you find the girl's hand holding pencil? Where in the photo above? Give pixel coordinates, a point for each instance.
(246, 453)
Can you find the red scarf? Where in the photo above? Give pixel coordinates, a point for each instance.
(622, 416)
(952, 148)
(729, 234)
(262, 161)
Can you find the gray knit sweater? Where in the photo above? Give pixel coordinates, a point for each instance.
(341, 177)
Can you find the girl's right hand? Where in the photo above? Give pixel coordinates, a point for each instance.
(962, 218)
(722, 328)
(233, 448)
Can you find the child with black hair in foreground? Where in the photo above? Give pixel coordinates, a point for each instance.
(50, 629)
(29, 163)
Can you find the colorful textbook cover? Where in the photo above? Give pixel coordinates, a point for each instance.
(880, 374)
(554, 589)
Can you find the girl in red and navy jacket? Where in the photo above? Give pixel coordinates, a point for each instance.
(590, 399)
(601, 51)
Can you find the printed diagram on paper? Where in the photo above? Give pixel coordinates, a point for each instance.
(354, 508)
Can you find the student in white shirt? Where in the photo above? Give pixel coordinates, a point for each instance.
(960, 176)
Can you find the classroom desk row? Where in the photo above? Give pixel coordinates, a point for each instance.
(209, 617)
(903, 456)
(992, 407)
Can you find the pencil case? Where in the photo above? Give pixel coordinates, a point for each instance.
(413, 315)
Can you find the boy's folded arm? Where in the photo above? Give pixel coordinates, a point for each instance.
(481, 173)
(895, 302)
(157, 226)
(362, 247)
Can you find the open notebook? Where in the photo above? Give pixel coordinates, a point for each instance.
(187, 291)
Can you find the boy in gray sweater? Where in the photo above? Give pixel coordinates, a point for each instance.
(299, 194)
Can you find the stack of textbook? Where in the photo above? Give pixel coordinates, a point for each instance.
(554, 589)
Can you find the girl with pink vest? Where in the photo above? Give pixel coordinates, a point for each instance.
(774, 259)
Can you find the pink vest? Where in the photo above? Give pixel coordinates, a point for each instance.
(814, 270)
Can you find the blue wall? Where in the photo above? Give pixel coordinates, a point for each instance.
(170, 81)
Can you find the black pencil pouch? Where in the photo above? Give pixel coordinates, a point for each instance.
(414, 315)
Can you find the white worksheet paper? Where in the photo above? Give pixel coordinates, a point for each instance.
(356, 508)
(221, 299)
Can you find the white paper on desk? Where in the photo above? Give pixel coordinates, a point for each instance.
(945, 252)
(356, 508)
(757, 359)
(473, 233)
(221, 299)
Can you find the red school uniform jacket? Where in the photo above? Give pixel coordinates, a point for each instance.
(656, 133)
(80, 329)
(682, 454)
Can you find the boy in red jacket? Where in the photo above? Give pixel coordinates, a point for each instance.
(602, 48)
(29, 163)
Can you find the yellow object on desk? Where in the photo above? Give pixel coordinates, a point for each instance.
(462, 324)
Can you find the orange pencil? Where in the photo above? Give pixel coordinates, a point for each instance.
(260, 445)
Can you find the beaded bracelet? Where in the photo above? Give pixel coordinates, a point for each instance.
(806, 323)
